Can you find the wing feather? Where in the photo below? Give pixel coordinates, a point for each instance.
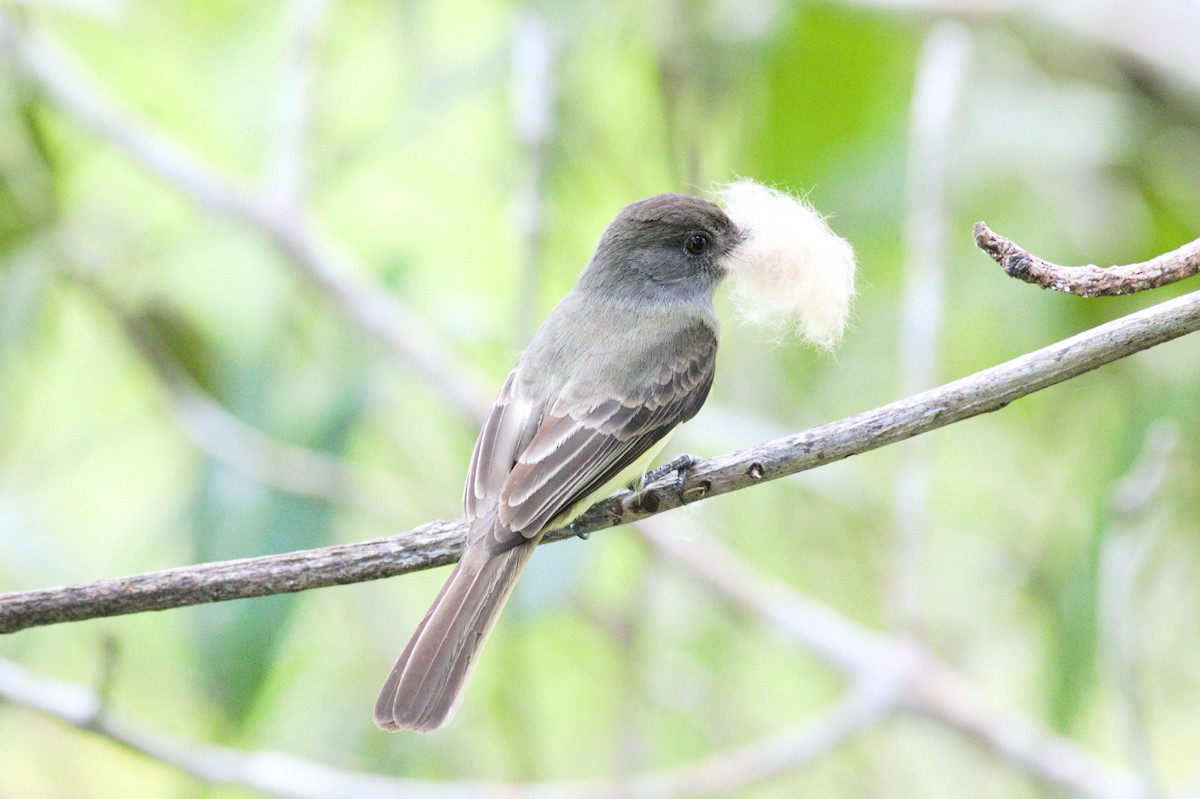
(578, 449)
(507, 431)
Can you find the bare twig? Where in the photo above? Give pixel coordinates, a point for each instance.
(631, 632)
(286, 181)
(859, 654)
(273, 773)
(440, 542)
(1126, 543)
(282, 775)
(724, 773)
(925, 685)
(942, 695)
(1159, 34)
(533, 98)
(1135, 491)
(1090, 280)
(332, 271)
(941, 74)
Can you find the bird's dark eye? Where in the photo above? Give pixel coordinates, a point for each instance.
(695, 243)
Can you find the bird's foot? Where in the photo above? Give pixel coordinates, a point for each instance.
(680, 466)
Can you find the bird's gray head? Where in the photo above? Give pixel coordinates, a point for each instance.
(668, 248)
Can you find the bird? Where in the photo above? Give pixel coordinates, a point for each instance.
(625, 357)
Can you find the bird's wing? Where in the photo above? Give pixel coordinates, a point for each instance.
(508, 429)
(578, 446)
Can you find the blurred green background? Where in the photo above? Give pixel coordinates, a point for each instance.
(464, 156)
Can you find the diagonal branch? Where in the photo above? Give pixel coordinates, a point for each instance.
(272, 773)
(335, 273)
(942, 695)
(290, 777)
(1090, 280)
(927, 686)
(728, 771)
(440, 542)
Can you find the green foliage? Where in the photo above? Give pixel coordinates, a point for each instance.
(236, 516)
(608, 660)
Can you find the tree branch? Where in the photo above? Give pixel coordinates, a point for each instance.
(925, 685)
(1158, 35)
(1090, 280)
(334, 273)
(433, 544)
(283, 775)
(726, 772)
(286, 180)
(941, 694)
(937, 94)
(533, 95)
(440, 542)
(1127, 539)
(887, 672)
(273, 773)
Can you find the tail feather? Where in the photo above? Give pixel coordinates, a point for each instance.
(427, 683)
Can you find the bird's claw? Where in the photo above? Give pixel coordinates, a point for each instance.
(577, 528)
(680, 466)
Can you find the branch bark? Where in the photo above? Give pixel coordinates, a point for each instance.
(887, 673)
(440, 542)
(1090, 280)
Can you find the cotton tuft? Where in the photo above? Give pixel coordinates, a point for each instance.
(792, 273)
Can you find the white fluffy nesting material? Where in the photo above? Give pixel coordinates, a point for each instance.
(792, 273)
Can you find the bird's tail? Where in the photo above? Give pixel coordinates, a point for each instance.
(427, 682)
